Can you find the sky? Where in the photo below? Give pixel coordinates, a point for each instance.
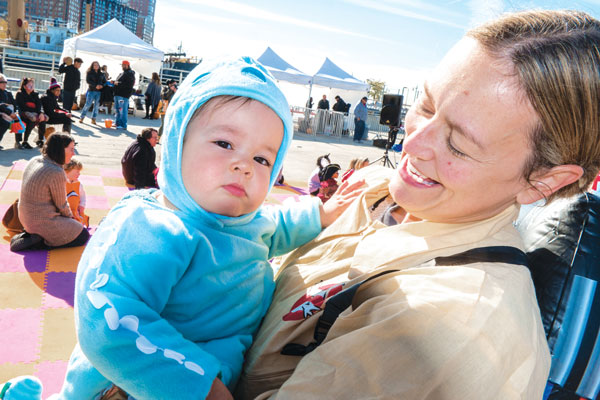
(395, 41)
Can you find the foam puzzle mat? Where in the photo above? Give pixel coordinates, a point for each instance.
(36, 287)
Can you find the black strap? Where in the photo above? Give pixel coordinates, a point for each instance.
(342, 300)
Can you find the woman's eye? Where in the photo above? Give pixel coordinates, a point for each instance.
(454, 150)
(262, 161)
(223, 144)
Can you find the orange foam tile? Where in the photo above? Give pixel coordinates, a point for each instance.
(64, 260)
(58, 336)
(21, 290)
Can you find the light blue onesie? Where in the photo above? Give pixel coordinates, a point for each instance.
(166, 301)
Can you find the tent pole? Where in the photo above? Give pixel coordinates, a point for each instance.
(309, 92)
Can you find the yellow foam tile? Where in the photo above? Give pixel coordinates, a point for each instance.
(59, 337)
(21, 290)
(109, 181)
(112, 201)
(95, 215)
(10, 370)
(8, 196)
(14, 174)
(94, 190)
(64, 260)
(95, 171)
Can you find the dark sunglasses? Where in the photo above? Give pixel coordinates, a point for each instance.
(3, 82)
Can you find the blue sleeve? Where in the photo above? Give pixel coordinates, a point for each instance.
(296, 224)
(124, 281)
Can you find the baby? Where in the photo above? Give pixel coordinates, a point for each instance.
(174, 283)
(75, 193)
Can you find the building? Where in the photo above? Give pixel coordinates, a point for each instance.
(102, 11)
(49, 36)
(145, 26)
(62, 12)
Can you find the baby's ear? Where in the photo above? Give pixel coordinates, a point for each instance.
(548, 182)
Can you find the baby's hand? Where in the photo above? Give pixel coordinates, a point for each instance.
(341, 199)
(219, 391)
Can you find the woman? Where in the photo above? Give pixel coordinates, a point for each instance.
(106, 95)
(43, 207)
(152, 95)
(30, 111)
(95, 79)
(55, 113)
(510, 116)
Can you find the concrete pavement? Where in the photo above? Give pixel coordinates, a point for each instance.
(98, 146)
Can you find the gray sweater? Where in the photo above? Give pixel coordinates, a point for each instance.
(43, 206)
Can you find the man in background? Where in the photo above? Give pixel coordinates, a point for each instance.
(138, 162)
(123, 91)
(360, 119)
(71, 81)
(323, 103)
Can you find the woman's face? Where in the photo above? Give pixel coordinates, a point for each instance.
(29, 86)
(69, 152)
(467, 140)
(95, 66)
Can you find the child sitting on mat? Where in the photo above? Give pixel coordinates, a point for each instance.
(75, 192)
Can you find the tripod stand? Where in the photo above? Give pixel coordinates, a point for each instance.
(385, 159)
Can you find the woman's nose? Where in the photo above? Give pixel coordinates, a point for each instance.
(422, 138)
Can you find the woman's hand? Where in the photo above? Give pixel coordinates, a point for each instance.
(219, 391)
(340, 200)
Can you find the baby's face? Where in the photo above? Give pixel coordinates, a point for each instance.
(228, 155)
(73, 174)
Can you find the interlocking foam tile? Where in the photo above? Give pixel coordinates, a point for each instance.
(55, 339)
(97, 202)
(52, 374)
(12, 184)
(61, 285)
(20, 326)
(86, 180)
(21, 290)
(94, 190)
(61, 260)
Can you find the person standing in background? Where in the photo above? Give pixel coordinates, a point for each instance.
(360, 119)
(152, 96)
(71, 81)
(123, 91)
(323, 103)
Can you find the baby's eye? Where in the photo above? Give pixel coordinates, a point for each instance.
(223, 144)
(262, 161)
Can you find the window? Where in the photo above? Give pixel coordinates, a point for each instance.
(38, 38)
(47, 39)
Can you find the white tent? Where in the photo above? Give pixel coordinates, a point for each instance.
(332, 76)
(281, 70)
(110, 44)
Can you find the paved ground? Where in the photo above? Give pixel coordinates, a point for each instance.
(101, 147)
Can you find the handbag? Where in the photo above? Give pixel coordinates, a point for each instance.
(11, 218)
(17, 126)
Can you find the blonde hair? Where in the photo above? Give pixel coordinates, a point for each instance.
(73, 164)
(556, 59)
(361, 163)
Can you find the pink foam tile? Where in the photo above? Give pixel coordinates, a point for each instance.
(13, 185)
(26, 261)
(115, 191)
(20, 165)
(90, 180)
(20, 335)
(111, 172)
(97, 202)
(3, 208)
(52, 375)
(50, 301)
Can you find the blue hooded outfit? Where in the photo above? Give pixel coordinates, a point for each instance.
(168, 300)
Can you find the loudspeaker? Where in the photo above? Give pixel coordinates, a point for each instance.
(391, 111)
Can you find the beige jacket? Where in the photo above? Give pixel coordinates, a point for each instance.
(451, 333)
(43, 207)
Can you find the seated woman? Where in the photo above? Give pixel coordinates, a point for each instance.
(55, 113)
(43, 207)
(510, 116)
(30, 111)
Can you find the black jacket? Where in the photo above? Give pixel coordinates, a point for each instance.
(6, 98)
(72, 79)
(138, 164)
(29, 102)
(340, 105)
(93, 79)
(50, 105)
(125, 80)
(323, 104)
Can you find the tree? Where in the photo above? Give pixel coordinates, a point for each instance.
(376, 90)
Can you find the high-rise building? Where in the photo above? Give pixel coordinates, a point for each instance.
(63, 12)
(102, 11)
(145, 26)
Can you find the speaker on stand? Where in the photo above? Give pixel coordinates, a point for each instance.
(391, 115)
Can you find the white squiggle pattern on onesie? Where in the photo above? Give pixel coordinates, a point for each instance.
(111, 315)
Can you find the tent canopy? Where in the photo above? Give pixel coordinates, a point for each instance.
(332, 76)
(112, 43)
(281, 70)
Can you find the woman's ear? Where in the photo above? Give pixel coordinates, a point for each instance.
(548, 182)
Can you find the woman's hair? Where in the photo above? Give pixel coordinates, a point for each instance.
(353, 163)
(361, 163)
(73, 164)
(55, 146)
(155, 77)
(556, 59)
(24, 82)
(91, 67)
(147, 133)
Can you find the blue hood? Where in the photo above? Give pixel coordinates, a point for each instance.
(234, 77)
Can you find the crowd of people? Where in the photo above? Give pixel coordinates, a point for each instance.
(378, 294)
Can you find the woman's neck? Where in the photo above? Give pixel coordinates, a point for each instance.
(402, 216)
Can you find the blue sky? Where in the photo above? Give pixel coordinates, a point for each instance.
(396, 41)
